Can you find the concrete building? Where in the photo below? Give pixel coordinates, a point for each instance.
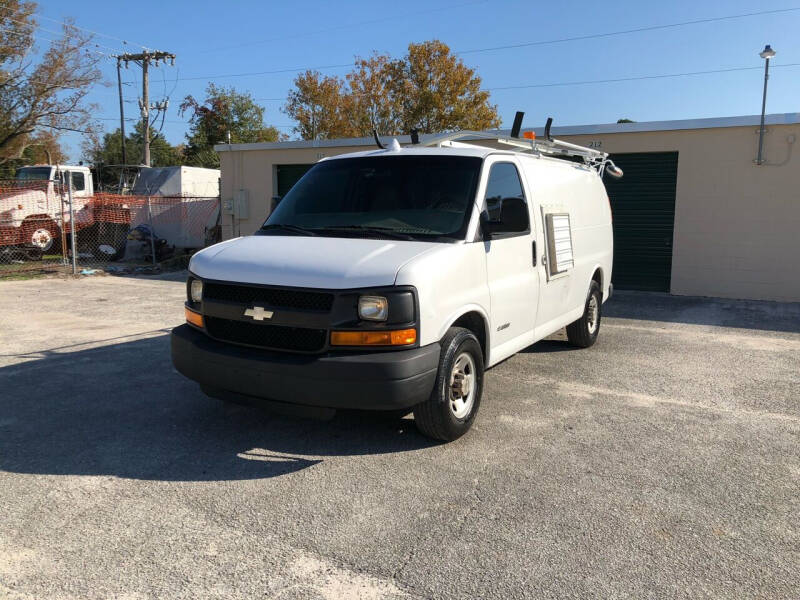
(694, 214)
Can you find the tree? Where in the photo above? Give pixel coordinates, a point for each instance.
(429, 89)
(42, 147)
(438, 92)
(625, 121)
(108, 151)
(225, 111)
(48, 94)
(321, 106)
(373, 104)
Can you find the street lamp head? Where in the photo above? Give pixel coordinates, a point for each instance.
(767, 52)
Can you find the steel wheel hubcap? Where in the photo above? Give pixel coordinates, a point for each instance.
(42, 239)
(461, 391)
(592, 314)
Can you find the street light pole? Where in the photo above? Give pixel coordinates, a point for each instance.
(766, 54)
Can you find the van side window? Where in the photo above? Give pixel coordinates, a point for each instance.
(78, 181)
(504, 182)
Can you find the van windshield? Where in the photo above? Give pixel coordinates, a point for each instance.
(402, 197)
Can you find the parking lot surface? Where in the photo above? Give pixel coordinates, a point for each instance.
(662, 462)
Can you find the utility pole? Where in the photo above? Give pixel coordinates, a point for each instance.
(143, 59)
(121, 111)
(146, 110)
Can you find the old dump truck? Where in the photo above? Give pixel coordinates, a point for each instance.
(35, 217)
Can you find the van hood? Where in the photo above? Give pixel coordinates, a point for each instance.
(312, 262)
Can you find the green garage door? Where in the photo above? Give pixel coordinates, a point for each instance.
(643, 205)
(288, 175)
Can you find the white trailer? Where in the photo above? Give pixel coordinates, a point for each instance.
(184, 203)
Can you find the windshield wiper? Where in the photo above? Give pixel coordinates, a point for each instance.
(385, 231)
(286, 227)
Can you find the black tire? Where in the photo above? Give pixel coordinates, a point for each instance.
(583, 332)
(435, 417)
(111, 241)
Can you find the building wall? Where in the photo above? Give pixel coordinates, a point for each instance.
(737, 225)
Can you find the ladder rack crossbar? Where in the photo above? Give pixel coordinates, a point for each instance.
(554, 147)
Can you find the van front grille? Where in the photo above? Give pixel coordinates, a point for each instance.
(269, 297)
(274, 337)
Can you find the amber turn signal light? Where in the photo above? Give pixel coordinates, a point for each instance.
(401, 337)
(193, 318)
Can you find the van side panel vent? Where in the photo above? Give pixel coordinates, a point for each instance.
(559, 243)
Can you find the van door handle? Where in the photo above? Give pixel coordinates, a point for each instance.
(534, 253)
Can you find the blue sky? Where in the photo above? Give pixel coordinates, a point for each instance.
(223, 38)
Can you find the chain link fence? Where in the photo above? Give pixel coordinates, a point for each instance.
(45, 227)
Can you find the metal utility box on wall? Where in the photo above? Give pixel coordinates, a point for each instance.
(238, 206)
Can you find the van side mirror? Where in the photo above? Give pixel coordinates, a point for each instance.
(508, 215)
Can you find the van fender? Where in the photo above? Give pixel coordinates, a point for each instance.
(460, 312)
(603, 282)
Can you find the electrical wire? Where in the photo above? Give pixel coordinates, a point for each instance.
(519, 45)
(59, 33)
(638, 78)
(628, 31)
(344, 26)
(597, 81)
(274, 72)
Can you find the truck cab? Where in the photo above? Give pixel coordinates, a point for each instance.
(392, 279)
(36, 201)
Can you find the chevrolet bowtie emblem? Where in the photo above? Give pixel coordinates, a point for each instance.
(258, 313)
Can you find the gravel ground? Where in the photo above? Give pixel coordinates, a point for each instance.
(662, 462)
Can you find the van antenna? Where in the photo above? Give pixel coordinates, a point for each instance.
(547, 125)
(517, 124)
(377, 141)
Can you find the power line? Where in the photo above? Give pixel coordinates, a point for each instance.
(110, 37)
(59, 33)
(292, 70)
(345, 26)
(628, 31)
(514, 46)
(595, 81)
(638, 78)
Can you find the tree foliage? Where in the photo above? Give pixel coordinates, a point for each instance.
(224, 111)
(42, 147)
(44, 94)
(428, 89)
(319, 105)
(108, 151)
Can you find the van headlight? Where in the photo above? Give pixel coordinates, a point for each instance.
(373, 308)
(196, 291)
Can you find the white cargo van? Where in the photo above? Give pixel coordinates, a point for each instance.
(392, 279)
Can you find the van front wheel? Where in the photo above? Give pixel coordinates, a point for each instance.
(449, 412)
(583, 332)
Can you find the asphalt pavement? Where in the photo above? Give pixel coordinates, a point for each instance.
(664, 462)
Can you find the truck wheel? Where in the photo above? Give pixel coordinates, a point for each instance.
(449, 412)
(40, 234)
(583, 332)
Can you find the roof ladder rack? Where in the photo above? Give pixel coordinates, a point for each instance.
(548, 146)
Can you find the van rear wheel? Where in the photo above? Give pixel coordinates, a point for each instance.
(449, 412)
(583, 332)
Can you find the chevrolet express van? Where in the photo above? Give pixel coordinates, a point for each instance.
(393, 279)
